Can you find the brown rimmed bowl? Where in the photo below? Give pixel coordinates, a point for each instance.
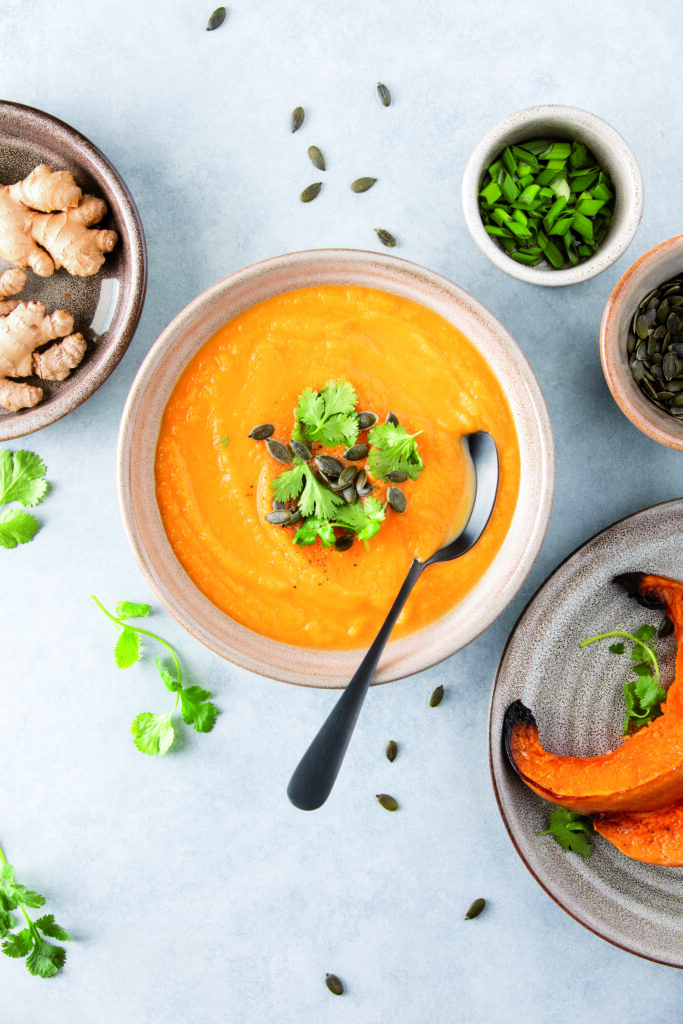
(106, 307)
(653, 269)
(140, 428)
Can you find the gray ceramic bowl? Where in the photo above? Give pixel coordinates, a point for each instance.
(653, 269)
(106, 307)
(613, 154)
(140, 428)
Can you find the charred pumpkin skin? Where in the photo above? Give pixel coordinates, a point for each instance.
(655, 837)
(645, 773)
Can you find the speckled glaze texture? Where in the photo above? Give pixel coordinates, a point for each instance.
(576, 695)
(656, 267)
(157, 377)
(106, 307)
(614, 155)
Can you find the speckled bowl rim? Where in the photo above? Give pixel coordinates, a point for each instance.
(137, 445)
(674, 504)
(621, 305)
(609, 147)
(120, 332)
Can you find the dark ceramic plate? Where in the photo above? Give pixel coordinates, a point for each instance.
(577, 697)
(106, 307)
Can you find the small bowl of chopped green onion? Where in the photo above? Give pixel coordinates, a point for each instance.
(552, 195)
(641, 343)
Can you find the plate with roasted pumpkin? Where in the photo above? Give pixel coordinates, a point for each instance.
(586, 734)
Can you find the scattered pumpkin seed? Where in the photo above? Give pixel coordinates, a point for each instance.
(216, 19)
(317, 158)
(475, 909)
(383, 94)
(397, 476)
(436, 696)
(261, 432)
(280, 517)
(311, 191)
(343, 542)
(296, 517)
(366, 420)
(300, 450)
(356, 452)
(666, 628)
(366, 489)
(349, 494)
(386, 237)
(389, 803)
(392, 750)
(329, 465)
(396, 499)
(297, 118)
(655, 346)
(347, 476)
(278, 450)
(278, 505)
(334, 984)
(362, 184)
(392, 418)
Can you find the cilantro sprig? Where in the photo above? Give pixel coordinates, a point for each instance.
(644, 694)
(300, 482)
(571, 830)
(362, 518)
(22, 481)
(393, 450)
(154, 734)
(42, 957)
(328, 415)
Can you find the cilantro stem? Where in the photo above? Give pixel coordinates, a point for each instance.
(145, 632)
(3, 859)
(644, 646)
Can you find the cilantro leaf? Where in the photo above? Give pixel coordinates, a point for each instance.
(645, 633)
(571, 830)
(22, 477)
(131, 610)
(18, 945)
(48, 926)
(6, 921)
(153, 734)
(393, 450)
(617, 648)
(127, 649)
(170, 682)
(364, 518)
(289, 485)
(311, 529)
(196, 708)
(643, 695)
(45, 959)
(643, 698)
(316, 500)
(17, 527)
(42, 958)
(329, 416)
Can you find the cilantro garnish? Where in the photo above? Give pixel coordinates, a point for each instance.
(22, 479)
(362, 518)
(328, 415)
(393, 450)
(42, 958)
(154, 734)
(643, 695)
(571, 830)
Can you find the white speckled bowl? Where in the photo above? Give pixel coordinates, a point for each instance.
(653, 269)
(612, 152)
(140, 427)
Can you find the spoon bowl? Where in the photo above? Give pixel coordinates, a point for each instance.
(314, 776)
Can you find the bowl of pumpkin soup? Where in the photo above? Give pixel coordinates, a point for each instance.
(293, 440)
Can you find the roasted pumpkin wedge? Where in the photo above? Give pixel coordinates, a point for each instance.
(655, 837)
(645, 773)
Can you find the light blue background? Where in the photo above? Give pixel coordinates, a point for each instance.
(195, 892)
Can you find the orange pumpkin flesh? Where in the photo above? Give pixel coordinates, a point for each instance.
(645, 773)
(655, 837)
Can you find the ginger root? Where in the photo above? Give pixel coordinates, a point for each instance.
(23, 329)
(46, 223)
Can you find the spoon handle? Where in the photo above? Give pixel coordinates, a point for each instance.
(314, 776)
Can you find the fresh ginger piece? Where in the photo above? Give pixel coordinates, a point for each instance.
(24, 330)
(46, 223)
(11, 283)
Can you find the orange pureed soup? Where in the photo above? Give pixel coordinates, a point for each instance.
(213, 481)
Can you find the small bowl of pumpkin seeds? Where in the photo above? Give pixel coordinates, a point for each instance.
(552, 195)
(641, 343)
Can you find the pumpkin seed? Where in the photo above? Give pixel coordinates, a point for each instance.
(666, 628)
(383, 94)
(362, 184)
(655, 345)
(436, 696)
(296, 517)
(297, 118)
(347, 476)
(261, 432)
(300, 450)
(316, 158)
(396, 499)
(278, 450)
(311, 191)
(334, 984)
(281, 517)
(392, 750)
(361, 479)
(475, 909)
(392, 418)
(329, 465)
(397, 476)
(366, 489)
(386, 237)
(349, 494)
(344, 542)
(387, 802)
(216, 19)
(278, 505)
(366, 420)
(356, 452)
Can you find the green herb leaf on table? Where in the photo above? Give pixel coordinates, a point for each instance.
(643, 695)
(154, 733)
(42, 958)
(328, 416)
(571, 830)
(22, 480)
(393, 450)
